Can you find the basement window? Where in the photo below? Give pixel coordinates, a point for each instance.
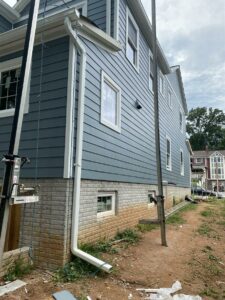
(106, 204)
(9, 80)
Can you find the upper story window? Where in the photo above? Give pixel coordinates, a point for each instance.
(170, 98)
(161, 84)
(132, 42)
(181, 121)
(9, 80)
(110, 103)
(168, 154)
(151, 73)
(199, 160)
(181, 162)
(217, 168)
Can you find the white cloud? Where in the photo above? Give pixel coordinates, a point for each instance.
(192, 34)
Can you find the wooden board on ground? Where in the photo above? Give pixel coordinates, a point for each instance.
(11, 287)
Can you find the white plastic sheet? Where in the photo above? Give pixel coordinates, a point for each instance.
(165, 293)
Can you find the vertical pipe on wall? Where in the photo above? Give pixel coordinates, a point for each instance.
(79, 149)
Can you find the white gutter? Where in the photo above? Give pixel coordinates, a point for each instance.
(79, 149)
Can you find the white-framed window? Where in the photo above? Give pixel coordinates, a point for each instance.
(132, 40)
(151, 72)
(106, 203)
(199, 160)
(181, 162)
(151, 195)
(168, 154)
(181, 120)
(217, 166)
(161, 84)
(170, 98)
(110, 103)
(9, 79)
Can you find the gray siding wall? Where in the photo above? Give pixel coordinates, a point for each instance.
(96, 10)
(52, 118)
(5, 25)
(128, 156)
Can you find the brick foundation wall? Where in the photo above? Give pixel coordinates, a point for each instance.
(131, 206)
(46, 225)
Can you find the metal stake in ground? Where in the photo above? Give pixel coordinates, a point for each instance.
(160, 197)
(17, 121)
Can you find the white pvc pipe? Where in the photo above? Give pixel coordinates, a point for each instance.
(79, 149)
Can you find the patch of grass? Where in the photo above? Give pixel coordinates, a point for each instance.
(131, 236)
(222, 223)
(208, 213)
(213, 257)
(175, 219)
(207, 249)
(188, 207)
(75, 270)
(204, 229)
(147, 227)
(18, 269)
(210, 292)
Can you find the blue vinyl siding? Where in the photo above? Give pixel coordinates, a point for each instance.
(96, 10)
(129, 156)
(5, 25)
(52, 119)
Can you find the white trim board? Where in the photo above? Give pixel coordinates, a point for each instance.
(70, 118)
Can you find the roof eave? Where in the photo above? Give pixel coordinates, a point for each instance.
(20, 5)
(8, 12)
(180, 80)
(13, 40)
(146, 28)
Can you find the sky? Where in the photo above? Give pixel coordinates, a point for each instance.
(192, 35)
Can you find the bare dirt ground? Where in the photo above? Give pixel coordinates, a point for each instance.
(195, 256)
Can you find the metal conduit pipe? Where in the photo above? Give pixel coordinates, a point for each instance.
(79, 149)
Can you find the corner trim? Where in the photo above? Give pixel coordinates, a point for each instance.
(70, 106)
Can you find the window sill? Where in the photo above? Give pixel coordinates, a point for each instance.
(105, 215)
(111, 126)
(169, 169)
(10, 112)
(136, 68)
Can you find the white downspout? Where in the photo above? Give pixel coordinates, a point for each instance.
(79, 149)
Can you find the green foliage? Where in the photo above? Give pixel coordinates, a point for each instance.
(175, 219)
(204, 229)
(17, 270)
(205, 128)
(130, 236)
(207, 213)
(147, 227)
(75, 270)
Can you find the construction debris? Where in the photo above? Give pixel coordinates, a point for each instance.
(165, 293)
(63, 295)
(11, 287)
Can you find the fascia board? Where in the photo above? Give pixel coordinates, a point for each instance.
(8, 12)
(53, 26)
(146, 28)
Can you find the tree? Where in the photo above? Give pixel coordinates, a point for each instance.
(206, 128)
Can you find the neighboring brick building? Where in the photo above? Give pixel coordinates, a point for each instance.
(208, 167)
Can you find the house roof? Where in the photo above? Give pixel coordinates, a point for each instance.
(181, 85)
(8, 12)
(203, 154)
(13, 40)
(144, 23)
